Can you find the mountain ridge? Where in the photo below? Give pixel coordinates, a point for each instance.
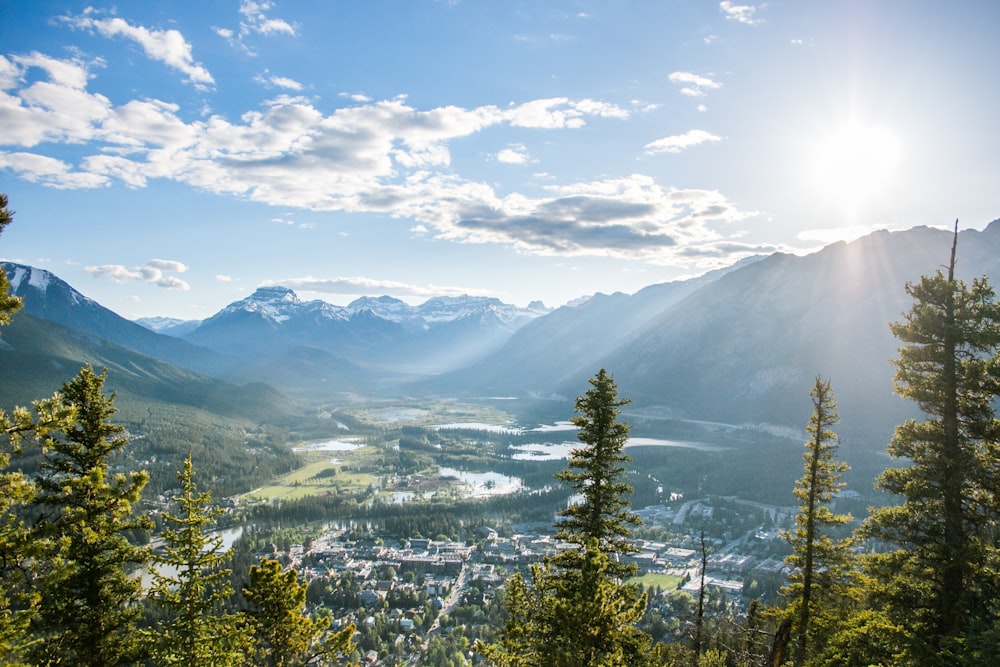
(740, 345)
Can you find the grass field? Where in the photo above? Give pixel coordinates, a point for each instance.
(314, 478)
(665, 581)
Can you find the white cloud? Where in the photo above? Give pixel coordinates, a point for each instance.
(632, 218)
(55, 107)
(514, 154)
(560, 112)
(166, 46)
(693, 85)
(256, 20)
(285, 82)
(384, 157)
(741, 13)
(150, 272)
(223, 278)
(170, 265)
(269, 79)
(49, 171)
(680, 142)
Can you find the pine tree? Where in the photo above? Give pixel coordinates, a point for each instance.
(89, 601)
(596, 472)
(940, 581)
(18, 552)
(8, 304)
(284, 636)
(577, 610)
(190, 584)
(821, 562)
(593, 616)
(522, 632)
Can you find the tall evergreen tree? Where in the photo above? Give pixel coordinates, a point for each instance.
(8, 304)
(821, 562)
(940, 580)
(571, 618)
(18, 552)
(597, 473)
(577, 609)
(190, 584)
(89, 601)
(284, 636)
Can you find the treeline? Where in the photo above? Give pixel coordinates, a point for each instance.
(70, 584)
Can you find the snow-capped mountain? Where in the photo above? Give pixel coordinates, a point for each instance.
(48, 297)
(441, 333)
(279, 304)
(169, 326)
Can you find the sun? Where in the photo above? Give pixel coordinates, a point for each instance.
(854, 163)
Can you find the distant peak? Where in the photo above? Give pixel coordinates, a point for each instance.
(369, 301)
(274, 293)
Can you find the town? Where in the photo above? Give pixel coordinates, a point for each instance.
(421, 601)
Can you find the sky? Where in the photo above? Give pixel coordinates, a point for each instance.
(167, 158)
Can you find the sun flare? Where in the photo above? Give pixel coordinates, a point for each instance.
(855, 162)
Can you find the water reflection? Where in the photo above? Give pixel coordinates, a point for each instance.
(342, 445)
(484, 484)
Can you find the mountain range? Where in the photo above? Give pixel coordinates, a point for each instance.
(738, 346)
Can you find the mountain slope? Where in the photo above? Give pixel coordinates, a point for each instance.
(559, 351)
(381, 333)
(47, 297)
(38, 356)
(746, 346)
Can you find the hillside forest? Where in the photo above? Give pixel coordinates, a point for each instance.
(915, 582)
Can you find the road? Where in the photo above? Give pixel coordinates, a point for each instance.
(454, 596)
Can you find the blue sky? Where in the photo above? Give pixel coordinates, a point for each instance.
(167, 158)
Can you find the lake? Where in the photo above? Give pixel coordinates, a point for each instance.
(341, 445)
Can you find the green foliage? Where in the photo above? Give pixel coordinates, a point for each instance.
(939, 579)
(563, 620)
(8, 304)
(577, 611)
(866, 638)
(822, 563)
(19, 551)
(283, 635)
(190, 584)
(88, 603)
(596, 472)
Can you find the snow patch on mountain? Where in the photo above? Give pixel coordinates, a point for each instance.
(280, 304)
(23, 278)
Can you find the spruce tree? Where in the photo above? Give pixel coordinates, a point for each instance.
(939, 579)
(89, 599)
(821, 562)
(19, 553)
(283, 635)
(8, 304)
(190, 585)
(597, 473)
(578, 610)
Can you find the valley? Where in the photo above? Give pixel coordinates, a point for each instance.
(403, 460)
(422, 587)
